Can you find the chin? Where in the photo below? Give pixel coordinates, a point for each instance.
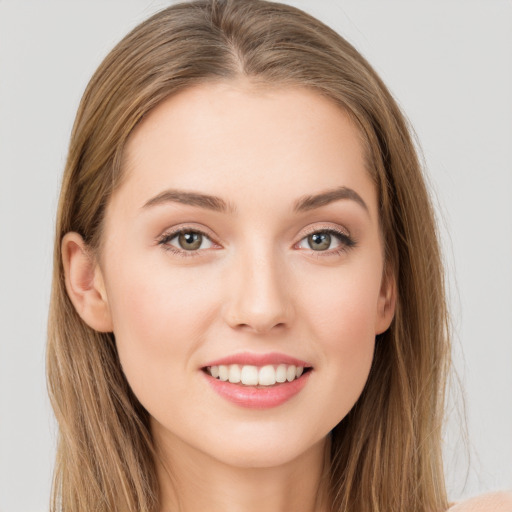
(266, 451)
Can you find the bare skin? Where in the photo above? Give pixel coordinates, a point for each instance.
(297, 485)
(492, 502)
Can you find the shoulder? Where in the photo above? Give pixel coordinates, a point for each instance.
(492, 502)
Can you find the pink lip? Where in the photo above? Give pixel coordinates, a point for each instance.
(259, 360)
(253, 397)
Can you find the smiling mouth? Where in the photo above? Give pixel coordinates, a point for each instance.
(256, 376)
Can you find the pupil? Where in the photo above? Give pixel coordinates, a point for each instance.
(190, 241)
(319, 241)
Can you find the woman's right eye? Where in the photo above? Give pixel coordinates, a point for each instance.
(186, 240)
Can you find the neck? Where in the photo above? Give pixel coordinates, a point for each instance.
(191, 480)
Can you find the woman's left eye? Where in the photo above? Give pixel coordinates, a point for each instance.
(326, 240)
(186, 240)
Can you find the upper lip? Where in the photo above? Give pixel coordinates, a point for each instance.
(250, 358)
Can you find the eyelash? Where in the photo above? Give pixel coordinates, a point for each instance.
(346, 241)
(167, 237)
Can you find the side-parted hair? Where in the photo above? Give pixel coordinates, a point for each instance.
(386, 453)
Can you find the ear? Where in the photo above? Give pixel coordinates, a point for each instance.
(387, 301)
(84, 283)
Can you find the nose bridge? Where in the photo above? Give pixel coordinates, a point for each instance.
(258, 295)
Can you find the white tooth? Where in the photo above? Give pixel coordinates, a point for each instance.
(223, 372)
(249, 375)
(281, 373)
(290, 373)
(299, 371)
(267, 376)
(234, 373)
(214, 371)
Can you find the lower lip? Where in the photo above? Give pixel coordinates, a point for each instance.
(258, 398)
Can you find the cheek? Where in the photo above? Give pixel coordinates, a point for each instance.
(159, 320)
(345, 330)
(343, 304)
(342, 320)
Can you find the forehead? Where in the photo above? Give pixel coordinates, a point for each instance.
(230, 138)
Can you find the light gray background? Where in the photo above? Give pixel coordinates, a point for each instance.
(449, 63)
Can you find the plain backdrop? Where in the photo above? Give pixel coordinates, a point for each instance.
(449, 64)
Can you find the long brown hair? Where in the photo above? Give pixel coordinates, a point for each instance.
(386, 453)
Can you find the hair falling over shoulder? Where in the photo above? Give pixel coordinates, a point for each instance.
(386, 453)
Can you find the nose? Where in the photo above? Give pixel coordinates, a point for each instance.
(258, 297)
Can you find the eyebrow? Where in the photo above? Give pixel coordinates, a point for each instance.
(209, 202)
(310, 202)
(191, 198)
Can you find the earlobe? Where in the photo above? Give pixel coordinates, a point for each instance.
(85, 284)
(387, 302)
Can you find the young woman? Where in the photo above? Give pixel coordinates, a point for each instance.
(248, 308)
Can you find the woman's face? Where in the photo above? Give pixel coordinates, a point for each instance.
(244, 236)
